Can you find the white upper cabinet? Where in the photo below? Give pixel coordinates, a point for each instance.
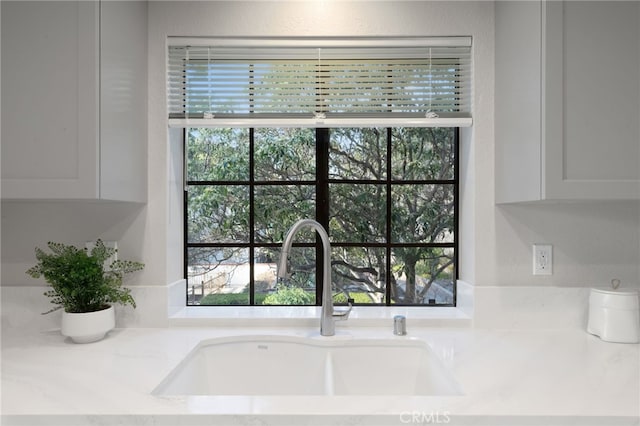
(567, 118)
(74, 100)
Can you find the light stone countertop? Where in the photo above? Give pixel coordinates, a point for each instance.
(509, 377)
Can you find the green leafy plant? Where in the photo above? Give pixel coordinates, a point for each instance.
(286, 295)
(80, 280)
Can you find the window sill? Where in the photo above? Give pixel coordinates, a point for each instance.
(309, 316)
(301, 316)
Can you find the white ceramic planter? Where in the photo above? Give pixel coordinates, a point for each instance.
(88, 327)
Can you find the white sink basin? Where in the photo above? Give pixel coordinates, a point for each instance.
(287, 365)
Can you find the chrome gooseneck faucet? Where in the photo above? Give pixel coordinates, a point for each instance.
(328, 316)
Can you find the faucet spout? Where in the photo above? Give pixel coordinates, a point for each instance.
(327, 316)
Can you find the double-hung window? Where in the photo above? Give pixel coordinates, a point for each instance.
(364, 140)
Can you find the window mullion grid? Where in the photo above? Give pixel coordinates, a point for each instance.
(251, 219)
(387, 272)
(456, 208)
(322, 210)
(185, 213)
(322, 202)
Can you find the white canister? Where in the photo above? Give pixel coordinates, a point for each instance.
(614, 315)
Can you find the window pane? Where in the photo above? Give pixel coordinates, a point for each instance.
(285, 154)
(358, 154)
(218, 154)
(264, 272)
(218, 276)
(218, 214)
(277, 207)
(419, 153)
(422, 275)
(422, 213)
(358, 213)
(298, 289)
(358, 273)
(302, 267)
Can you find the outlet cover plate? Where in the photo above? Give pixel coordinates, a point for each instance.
(542, 259)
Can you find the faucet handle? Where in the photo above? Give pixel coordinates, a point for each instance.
(343, 314)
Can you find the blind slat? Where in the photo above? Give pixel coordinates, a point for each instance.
(242, 81)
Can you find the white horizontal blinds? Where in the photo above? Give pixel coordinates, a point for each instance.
(238, 82)
(206, 81)
(398, 85)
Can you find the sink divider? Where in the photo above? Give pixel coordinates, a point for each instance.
(329, 387)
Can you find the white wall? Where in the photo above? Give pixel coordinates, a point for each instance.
(592, 242)
(307, 19)
(26, 225)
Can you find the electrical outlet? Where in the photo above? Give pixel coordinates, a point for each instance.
(542, 259)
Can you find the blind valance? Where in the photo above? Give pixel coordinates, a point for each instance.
(313, 81)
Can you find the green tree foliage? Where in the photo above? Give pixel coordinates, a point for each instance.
(421, 213)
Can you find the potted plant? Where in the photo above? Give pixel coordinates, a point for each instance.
(86, 285)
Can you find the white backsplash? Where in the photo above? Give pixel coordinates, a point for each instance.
(530, 307)
(490, 307)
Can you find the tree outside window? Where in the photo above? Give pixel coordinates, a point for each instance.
(387, 196)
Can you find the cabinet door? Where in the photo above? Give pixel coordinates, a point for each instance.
(123, 100)
(567, 101)
(518, 79)
(591, 100)
(49, 100)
